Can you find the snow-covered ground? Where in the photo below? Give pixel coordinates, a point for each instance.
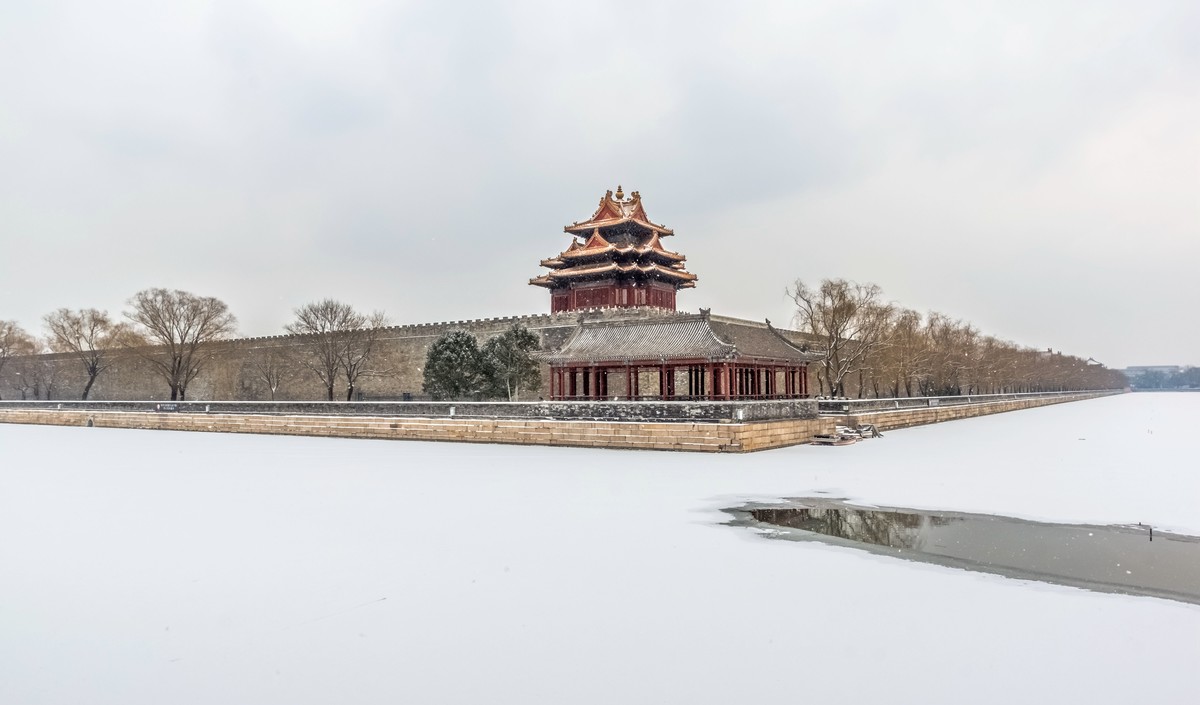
(172, 568)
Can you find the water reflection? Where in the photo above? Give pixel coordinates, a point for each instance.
(881, 528)
(1106, 558)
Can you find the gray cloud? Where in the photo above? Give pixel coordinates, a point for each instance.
(1033, 168)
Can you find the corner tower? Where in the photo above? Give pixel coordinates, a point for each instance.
(615, 259)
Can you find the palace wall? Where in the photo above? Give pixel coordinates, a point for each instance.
(399, 362)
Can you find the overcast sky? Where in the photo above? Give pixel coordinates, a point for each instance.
(1033, 168)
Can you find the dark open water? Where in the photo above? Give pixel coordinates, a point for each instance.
(1132, 560)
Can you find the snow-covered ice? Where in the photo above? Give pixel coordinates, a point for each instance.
(158, 567)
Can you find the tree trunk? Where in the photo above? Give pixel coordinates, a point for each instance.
(88, 387)
(350, 392)
(174, 393)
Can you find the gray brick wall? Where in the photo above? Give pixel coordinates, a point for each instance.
(400, 360)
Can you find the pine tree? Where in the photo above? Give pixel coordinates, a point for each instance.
(454, 367)
(509, 364)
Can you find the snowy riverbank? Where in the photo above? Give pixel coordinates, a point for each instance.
(156, 567)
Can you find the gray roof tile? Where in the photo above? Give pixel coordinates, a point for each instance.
(674, 337)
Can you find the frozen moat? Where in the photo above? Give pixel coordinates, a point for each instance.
(159, 567)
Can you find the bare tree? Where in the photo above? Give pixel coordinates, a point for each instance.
(337, 342)
(850, 320)
(32, 375)
(180, 327)
(954, 359)
(23, 377)
(907, 354)
(89, 335)
(269, 366)
(358, 351)
(14, 342)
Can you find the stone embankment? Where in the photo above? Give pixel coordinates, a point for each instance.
(702, 436)
(685, 426)
(937, 410)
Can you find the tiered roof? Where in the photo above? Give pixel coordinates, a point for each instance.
(614, 211)
(620, 242)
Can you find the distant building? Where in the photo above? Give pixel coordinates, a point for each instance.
(1135, 370)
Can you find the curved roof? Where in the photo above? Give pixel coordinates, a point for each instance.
(597, 246)
(585, 271)
(618, 210)
(679, 336)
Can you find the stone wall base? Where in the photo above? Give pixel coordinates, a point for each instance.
(903, 418)
(707, 437)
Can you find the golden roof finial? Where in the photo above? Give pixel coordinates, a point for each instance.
(620, 193)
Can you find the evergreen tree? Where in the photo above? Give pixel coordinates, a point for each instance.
(509, 364)
(454, 367)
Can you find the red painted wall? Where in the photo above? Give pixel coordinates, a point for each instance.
(608, 295)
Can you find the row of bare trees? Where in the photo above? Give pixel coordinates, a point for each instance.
(875, 348)
(338, 344)
(170, 330)
(870, 347)
(174, 333)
